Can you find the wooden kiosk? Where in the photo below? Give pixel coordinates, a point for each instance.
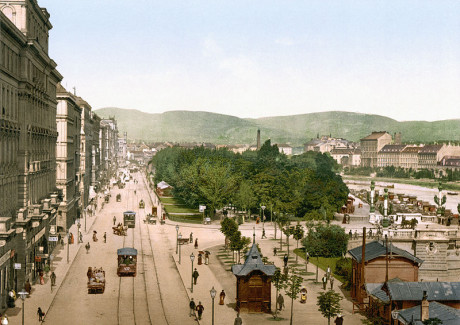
(253, 283)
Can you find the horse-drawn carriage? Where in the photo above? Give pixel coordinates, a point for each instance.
(127, 261)
(96, 280)
(120, 230)
(141, 204)
(150, 219)
(118, 197)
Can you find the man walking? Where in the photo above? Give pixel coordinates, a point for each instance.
(53, 279)
(105, 237)
(192, 306)
(199, 309)
(114, 220)
(285, 259)
(87, 246)
(263, 234)
(280, 302)
(331, 280)
(238, 320)
(324, 279)
(195, 276)
(40, 314)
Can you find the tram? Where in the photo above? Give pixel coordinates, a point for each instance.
(129, 219)
(127, 261)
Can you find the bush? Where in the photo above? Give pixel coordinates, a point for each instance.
(343, 268)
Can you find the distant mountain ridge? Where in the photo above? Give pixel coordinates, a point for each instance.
(196, 126)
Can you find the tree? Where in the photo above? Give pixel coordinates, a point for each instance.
(238, 242)
(329, 304)
(432, 321)
(279, 280)
(245, 197)
(288, 231)
(298, 234)
(293, 288)
(326, 241)
(282, 221)
(228, 227)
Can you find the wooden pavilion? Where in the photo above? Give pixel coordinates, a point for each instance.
(253, 283)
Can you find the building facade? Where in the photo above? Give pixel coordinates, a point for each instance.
(68, 120)
(28, 114)
(371, 145)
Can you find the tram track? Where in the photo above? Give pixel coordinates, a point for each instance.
(150, 245)
(122, 282)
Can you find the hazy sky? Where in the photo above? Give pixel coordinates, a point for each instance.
(252, 58)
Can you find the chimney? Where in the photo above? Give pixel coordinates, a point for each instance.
(424, 308)
(258, 139)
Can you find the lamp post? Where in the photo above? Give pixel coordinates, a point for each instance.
(177, 238)
(213, 295)
(78, 234)
(68, 244)
(192, 258)
(23, 294)
(263, 216)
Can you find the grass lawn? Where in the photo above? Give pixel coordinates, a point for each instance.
(171, 200)
(180, 209)
(323, 262)
(189, 218)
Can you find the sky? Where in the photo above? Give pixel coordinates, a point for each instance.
(258, 58)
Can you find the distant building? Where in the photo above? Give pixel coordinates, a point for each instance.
(409, 157)
(390, 155)
(327, 144)
(429, 156)
(285, 148)
(347, 157)
(371, 145)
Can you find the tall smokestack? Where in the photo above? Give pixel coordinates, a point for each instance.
(258, 139)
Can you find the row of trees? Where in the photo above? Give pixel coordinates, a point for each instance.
(298, 186)
(399, 172)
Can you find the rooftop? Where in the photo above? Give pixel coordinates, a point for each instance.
(446, 314)
(253, 263)
(377, 249)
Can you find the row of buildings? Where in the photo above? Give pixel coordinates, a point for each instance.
(379, 149)
(54, 151)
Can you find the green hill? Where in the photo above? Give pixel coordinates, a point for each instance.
(188, 126)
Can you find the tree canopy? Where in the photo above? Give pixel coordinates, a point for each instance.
(298, 185)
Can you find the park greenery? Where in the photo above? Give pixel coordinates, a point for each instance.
(304, 186)
(326, 240)
(449, 175)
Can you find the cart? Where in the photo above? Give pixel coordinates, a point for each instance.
(96, 282)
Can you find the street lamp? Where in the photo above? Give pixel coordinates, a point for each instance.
(192, 258)
(23, 294)
(68, 244)
(177, 238)
(213, 295)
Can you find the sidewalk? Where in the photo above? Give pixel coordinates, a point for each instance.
(43, 295)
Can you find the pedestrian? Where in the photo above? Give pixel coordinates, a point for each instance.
(87, 246)
(238, 320)
(350, 234)
(53, 278)
(331, 280)
(263, 234)
(285, 259)
(307, 255)
(192, 306)
(40, 314)
(324, 279)
(222, 297)
(328, 272)
(200, 259)
(199, 309)
(356, 234)
(195, 276)
(114, 220)
(27, 286)
(81, 237)
(274, 251)
(280, 302)
(105, 237)
(191, 237)
(196, 243)
(89, 273)
(339, 320)
(5, 320)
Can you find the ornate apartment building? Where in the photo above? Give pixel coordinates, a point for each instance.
(68, 120)
(108, 148)
(28, 82)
